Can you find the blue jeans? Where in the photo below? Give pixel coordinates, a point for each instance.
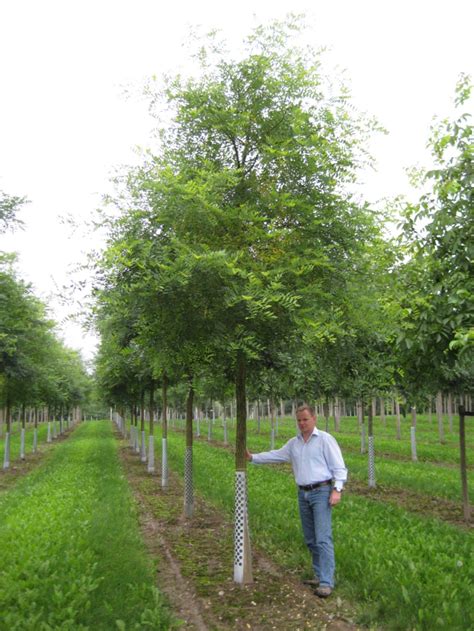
(315, 513)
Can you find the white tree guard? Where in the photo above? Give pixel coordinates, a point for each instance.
(22, 444)
(188, 483)
(164, 463)
(151, 454)
(242, 551)
(35, 440)
(132, 440)
(6, 453)
(371, 463)
(48, 436)
(226, 439)
(137, 441)
(143, 447)
(414, 456)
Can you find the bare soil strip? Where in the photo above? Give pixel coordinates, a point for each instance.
(195, 564)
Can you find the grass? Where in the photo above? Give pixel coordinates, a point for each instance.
(408, 572)
(72, 557)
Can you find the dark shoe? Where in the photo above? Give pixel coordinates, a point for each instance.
(323, 591)
(312, 582)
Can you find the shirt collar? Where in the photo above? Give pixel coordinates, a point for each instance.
(315, 432)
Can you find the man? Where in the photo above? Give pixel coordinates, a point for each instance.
(320, 474)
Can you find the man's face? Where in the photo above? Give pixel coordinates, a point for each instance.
(306, 422)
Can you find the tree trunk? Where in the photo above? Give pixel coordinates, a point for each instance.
(337, 414)
(439, 415)
(6, 457)
(326, 413)
(209, 426)
(430, 410)
(142, 428)
(450, 411)
(399, 423)
(359, 413)
(463, 464)
(132, 430)
(362, 429)
(164, 434)
(271, 413)
(151, 431)
(371, 447)
(414, 457)
(242, 551)
(224, 423)
(188, 456)
(23, 429)
(198, 423)
(382, 411)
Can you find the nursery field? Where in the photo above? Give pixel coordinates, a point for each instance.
(402, 561)
(90, 540)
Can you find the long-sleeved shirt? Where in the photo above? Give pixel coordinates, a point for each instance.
(316, 460)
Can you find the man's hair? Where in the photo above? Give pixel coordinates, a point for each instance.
(305, 406)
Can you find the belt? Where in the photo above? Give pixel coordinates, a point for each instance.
(310, 487)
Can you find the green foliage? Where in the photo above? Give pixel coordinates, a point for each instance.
(239, 239)
(437, 312)
(35, 367)
(9, 207)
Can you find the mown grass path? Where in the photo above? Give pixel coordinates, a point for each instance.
(72, 557)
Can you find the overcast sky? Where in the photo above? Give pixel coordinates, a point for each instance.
(65, 124)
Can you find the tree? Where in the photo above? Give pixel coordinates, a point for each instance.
(243, 234)
(35, 367)
(254, 166)
(437, 313)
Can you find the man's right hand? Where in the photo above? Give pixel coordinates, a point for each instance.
(248, 455)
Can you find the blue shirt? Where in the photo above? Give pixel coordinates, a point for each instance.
(316, 460)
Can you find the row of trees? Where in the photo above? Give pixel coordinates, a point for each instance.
(36, 369)
(237, 256)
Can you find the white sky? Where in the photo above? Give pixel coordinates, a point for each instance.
(65, 125)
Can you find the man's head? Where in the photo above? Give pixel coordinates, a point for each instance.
(306, 419)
